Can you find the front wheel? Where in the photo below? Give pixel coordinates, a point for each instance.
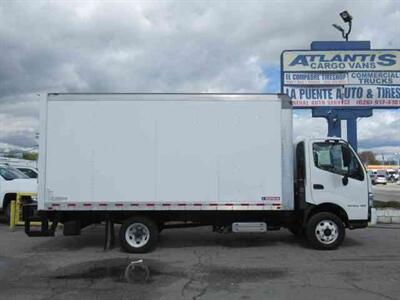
(138, 235)
(325, 231)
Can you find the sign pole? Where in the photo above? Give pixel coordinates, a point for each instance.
(334, 124)
(352, 132)
(331, 116)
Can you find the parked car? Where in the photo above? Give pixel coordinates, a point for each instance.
(18, 162)
(380, 179)
(28, 167)
(28, 171)
(13, 181)
(392, 176)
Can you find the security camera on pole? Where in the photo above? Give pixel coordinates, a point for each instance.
(347, 18)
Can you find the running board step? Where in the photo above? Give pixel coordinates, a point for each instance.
(44, 229)
(249, 227)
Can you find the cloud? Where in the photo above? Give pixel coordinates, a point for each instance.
(380, 133)
(86, 46)
(306, 126)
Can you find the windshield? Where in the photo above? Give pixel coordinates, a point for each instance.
(9, 173)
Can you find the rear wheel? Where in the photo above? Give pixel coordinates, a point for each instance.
(138, 235)
(325, 231)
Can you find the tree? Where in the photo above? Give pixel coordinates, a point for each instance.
(368, 158)
(30, 155)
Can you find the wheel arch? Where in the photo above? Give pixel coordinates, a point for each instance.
(8, 197)
(327, 207)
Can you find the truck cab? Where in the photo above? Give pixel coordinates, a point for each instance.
(330, 178)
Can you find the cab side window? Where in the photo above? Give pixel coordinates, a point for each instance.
(329, 157)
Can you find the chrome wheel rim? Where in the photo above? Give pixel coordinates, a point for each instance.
(327, 232)
(137, 235)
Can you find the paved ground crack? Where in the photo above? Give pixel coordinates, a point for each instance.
(371, 292)
(196, 286)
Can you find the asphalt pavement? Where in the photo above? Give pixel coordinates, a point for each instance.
(389, 192)
(200, 264)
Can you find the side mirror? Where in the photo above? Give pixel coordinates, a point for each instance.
(346, 153)
(345, 180)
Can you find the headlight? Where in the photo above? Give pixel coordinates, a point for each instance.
(370, 199)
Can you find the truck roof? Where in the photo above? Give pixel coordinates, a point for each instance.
(311, 139)
(286, 101)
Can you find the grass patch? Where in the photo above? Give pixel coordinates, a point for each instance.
(388, 204)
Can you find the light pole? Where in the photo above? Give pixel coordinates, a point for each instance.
(347, 18)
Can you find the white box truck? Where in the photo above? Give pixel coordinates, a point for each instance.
(155, 161)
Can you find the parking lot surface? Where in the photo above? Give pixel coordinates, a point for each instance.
(200, 264)
(389, 192)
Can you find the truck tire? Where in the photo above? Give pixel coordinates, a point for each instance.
(325, 231)
(138, 235)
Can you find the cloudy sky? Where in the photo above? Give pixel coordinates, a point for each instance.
(177, 46)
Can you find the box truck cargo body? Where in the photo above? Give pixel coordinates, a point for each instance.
(156, 161)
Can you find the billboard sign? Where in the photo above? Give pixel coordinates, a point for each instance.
(360, 78)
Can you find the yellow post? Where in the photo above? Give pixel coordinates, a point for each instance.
(18, 208)
(12, 214)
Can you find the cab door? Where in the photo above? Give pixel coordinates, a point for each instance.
(338, 177)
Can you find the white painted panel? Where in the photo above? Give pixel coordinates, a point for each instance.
(129, 148)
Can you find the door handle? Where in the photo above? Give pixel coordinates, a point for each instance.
(318, 186)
